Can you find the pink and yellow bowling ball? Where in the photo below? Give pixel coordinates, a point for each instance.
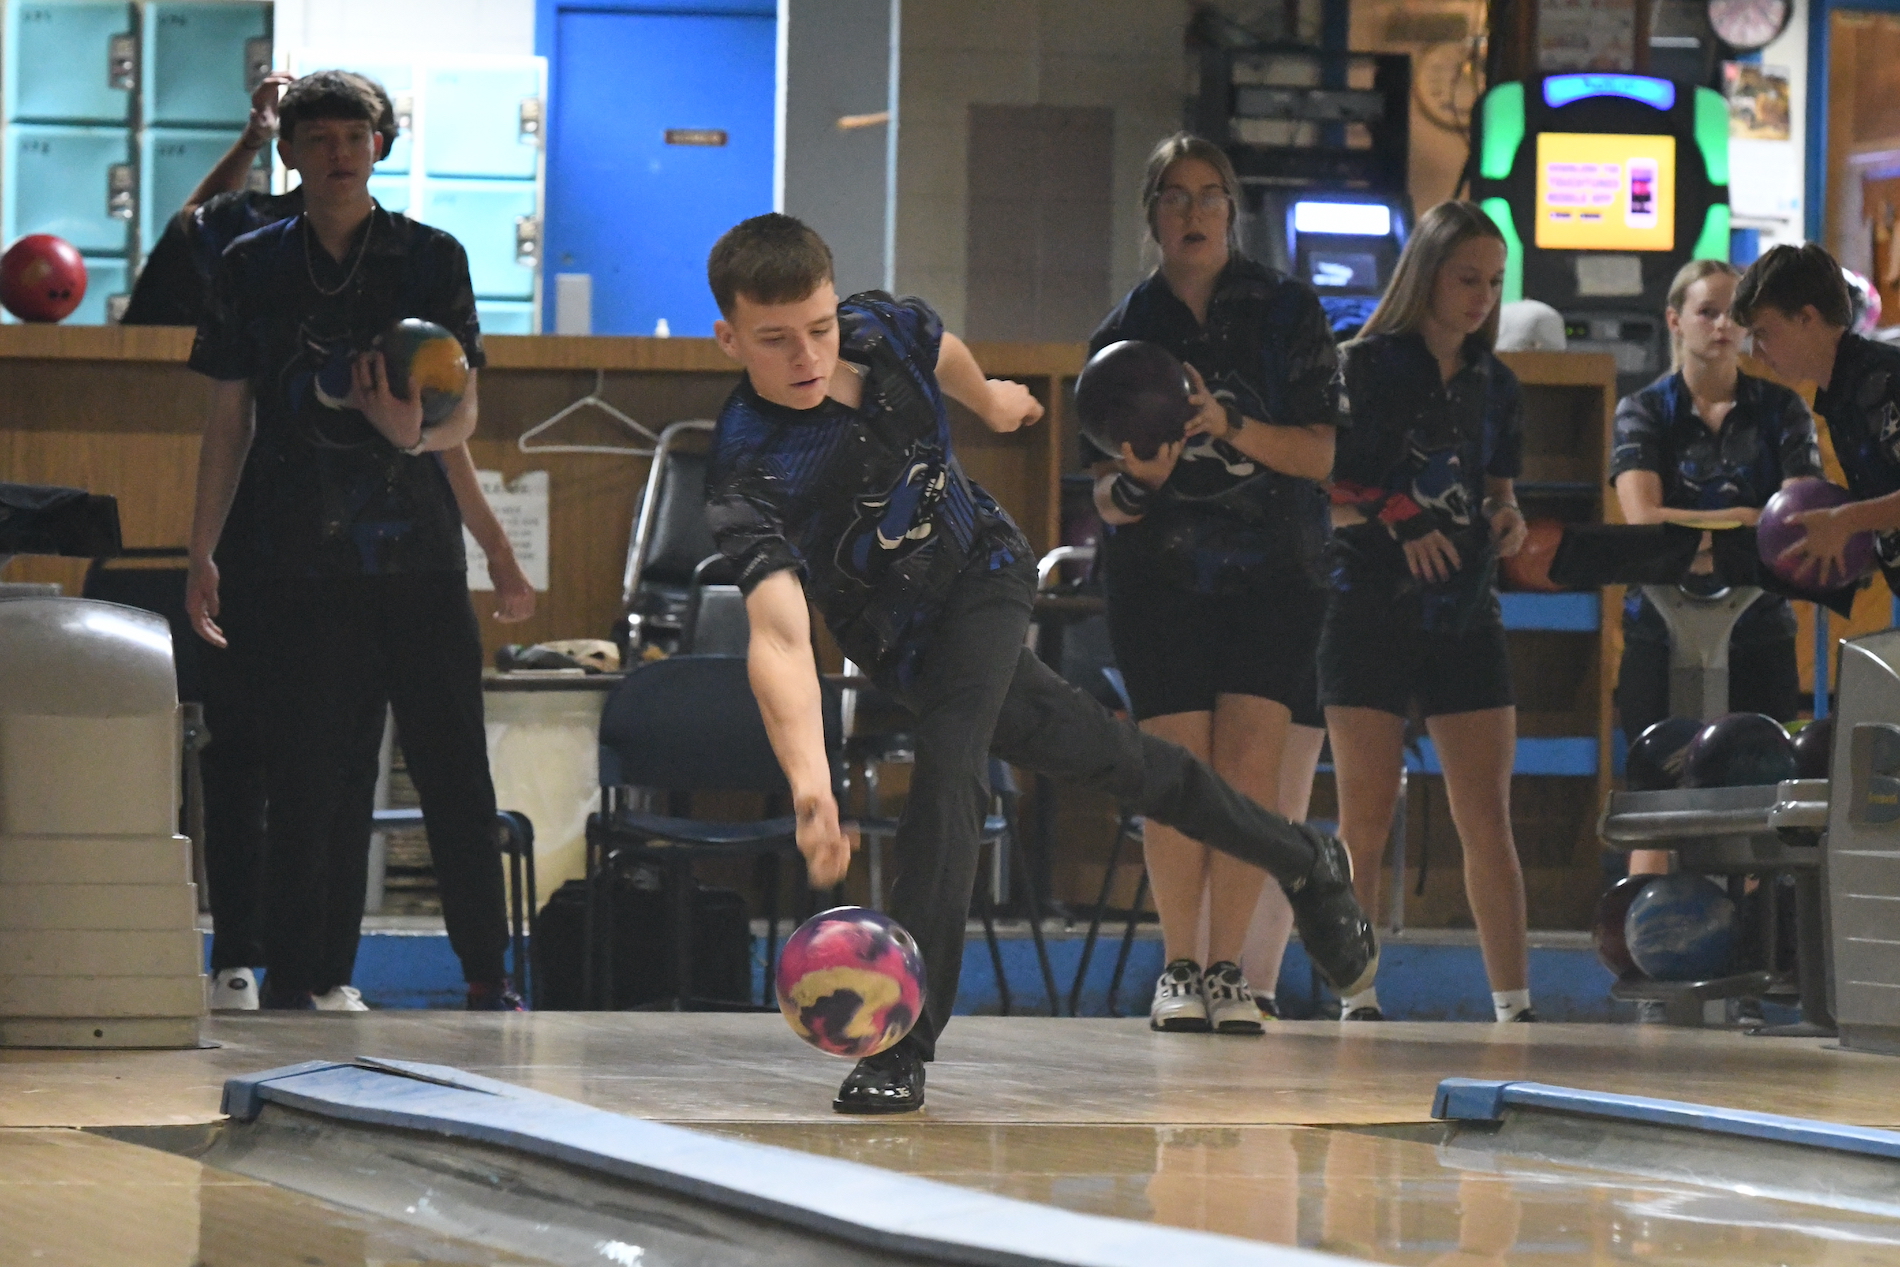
(851, 982)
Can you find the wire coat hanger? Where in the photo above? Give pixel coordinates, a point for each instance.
(592, 400)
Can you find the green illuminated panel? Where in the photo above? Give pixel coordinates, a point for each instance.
(1504, 130)
(1713, 244)
(1500, 213)
(1711, 133)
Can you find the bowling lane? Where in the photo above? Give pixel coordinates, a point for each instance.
(1379, 1197)
(77, 1200)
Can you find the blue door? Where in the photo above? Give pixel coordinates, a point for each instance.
(661, 138)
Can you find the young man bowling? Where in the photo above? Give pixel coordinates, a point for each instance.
(833, 483)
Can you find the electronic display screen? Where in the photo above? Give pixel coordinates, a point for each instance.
(1606, 192)
(1342, 270)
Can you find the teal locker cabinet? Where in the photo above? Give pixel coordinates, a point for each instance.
(200, 61)
(506, 316)
(171, 163)
(69, 61)
(391, 189)
(476, 116)
(486, 217)
(106, 277)
(71, 181)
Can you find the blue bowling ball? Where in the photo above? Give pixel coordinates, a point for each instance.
(1682, 928)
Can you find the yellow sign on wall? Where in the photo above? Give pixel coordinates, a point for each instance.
(1599, 191)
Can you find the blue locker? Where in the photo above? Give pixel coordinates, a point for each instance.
(105, 277)
(482, 214)
(171, 163)
(474, 121)
(398, 80)
(196, 61)
(506, 316)
(57, 55)
(392, 190)
(58, 181)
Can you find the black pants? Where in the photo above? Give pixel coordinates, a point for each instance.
(337, 649)
(979, 690)
(1762, 678)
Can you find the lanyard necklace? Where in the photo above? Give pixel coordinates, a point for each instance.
(310, 247)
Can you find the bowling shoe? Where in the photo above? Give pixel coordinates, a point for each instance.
(1338, 937)
(1230, 1005)
(889, 1082)
(234, 990)
(494, 996)
(1179, 1005)
(341, 998)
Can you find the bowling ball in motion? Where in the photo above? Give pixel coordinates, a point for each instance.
(1606, 934)
(1814, 749)
(1133, 393)
(423, 355)
(42, 278)
(1775, 533)
(1739, 750)
(1681, 928)
(1655, 759)
(1529, 568)
(851, 982)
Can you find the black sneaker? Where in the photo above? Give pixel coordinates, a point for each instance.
(494, 996)
(1268, 1005)
(1363, 1014)
(1335, 931)
(1528, 1014)
(889, 1082)
(271, 1000)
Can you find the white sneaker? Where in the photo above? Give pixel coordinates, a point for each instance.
(234, 990)
(1178, 1007)
(344, 998)
(1230, 1005)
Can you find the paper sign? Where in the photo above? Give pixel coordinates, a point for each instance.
(521, 505)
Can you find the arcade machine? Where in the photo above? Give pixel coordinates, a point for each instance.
(1604, 186)
(1317, 207)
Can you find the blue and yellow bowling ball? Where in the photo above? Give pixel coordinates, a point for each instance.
(421, 355)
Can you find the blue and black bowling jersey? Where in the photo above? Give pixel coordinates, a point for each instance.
(323, 493)
(1767, 437)
(868, 505)
(176, 276)
(1415, 460)
(1224, 522)
(1861, 405)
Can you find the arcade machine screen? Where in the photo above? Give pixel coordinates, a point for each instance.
(1606, 192)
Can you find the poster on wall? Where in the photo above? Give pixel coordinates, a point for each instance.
(1606, 192)
(1586, 34)
(1757, 101)
(522, 506)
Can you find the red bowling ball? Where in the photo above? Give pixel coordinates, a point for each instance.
(851, 982)
(42, 278)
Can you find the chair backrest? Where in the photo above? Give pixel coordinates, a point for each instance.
(715, 622)
(152, 578)
(670, 535)
(690, 723)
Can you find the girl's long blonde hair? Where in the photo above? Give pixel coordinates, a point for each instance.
(1686, 276)
(1439, 232)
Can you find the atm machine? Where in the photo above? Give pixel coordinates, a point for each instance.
(1604, 185)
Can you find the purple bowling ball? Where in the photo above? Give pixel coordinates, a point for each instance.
(1774, 534)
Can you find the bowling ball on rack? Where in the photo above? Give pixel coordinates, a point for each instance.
(42, 278)
(1814, 749)
(1775, 533)
(1606, 934)
(1655, 758)
(1681, 928)
(850, 982)
(1739, 750)
(1133, 393)
(424, 356)
(1529, 568)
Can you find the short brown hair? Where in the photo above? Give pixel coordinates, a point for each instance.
(1184, 145)
(770, 259)
(330, 94)
(1789, 278)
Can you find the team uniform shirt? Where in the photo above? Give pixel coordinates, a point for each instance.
(323, 493)
(1766, 437)
(1861, 404)
(1415, 460)
(176, 275)
(868, 505)
(1225, 522)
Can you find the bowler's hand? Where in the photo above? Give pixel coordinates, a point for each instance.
(1432, 557)
(261, 128)
(1509, 530)
(201, 600)
(399, 420)
(514, 592)
(1153, 471)
(1012, 406)
(826, 848)
(1821, 554)
(1210, 418)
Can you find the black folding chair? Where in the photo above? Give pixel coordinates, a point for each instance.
(670, 539)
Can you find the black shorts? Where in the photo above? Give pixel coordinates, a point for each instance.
(1382, 657)
(1762, 678)
(1178, 650)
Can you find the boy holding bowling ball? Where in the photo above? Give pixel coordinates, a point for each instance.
(345, 523)
(833, 483)
(1795, 305)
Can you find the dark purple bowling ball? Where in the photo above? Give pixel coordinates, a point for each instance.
(1814, 749)
(1739, 750)
(1774, 534)
(1655, 757)
(1133, 393)
(1607, 933)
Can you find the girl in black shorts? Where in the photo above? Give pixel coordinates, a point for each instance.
(1707, 444)
(1212, 555)
(1422, 508)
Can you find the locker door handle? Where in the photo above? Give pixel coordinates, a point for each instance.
(405, 107)
(527, 240)
(257, 59)
(531, 121)
(122, 191)
(122, 61)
